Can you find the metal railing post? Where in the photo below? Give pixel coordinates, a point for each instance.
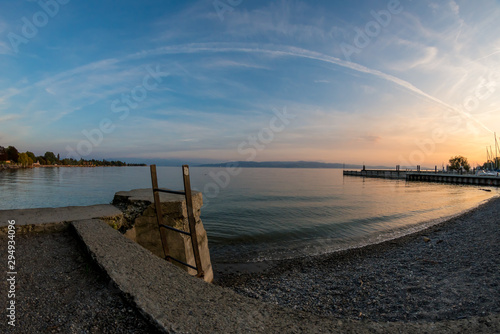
(159, 213)
(191, 219)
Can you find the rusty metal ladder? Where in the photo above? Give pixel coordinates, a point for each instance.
(191, 219)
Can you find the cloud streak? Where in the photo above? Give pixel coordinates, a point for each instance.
(116, 64)
(302, 53)
(9, 117)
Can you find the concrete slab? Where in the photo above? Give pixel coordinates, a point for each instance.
(174, 300)
(179, 303)
(56, 219)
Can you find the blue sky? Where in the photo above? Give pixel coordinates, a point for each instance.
(380, 82)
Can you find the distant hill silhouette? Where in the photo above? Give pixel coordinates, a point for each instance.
(288, 164)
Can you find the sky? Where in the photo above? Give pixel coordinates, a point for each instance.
(375, 82)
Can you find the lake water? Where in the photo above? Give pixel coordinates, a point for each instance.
(262, 213)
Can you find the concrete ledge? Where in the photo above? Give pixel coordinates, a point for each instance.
(176, 301)
(172, 202)
(179, 303)
(57, 219)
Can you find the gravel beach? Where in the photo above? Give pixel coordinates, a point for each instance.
(447, 272)
(58, 290)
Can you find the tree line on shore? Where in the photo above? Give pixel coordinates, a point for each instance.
(461, 163)
(27, 159)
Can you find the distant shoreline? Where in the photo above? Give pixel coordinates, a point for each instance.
(287, 164)
(57, 166)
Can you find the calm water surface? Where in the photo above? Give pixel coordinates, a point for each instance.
(262, 213)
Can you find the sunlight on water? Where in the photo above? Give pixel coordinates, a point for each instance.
(261, 213)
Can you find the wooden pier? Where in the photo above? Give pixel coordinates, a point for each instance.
(454, 178)
(486, 180)
(380, 173)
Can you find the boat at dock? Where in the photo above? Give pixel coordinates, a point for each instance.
(482, 172)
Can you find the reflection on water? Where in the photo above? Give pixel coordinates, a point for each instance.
(261, 213)
(295, 212)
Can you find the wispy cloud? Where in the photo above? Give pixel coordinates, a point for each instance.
(455, 8)
(9, 117)
(4, 47)
(228, 63)
(104, 64)
(302, 53)
(370, 138)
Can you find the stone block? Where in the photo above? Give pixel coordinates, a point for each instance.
(142, 226)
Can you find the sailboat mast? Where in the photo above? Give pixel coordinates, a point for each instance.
(488, 160)
(491, 158)
(496, 152)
